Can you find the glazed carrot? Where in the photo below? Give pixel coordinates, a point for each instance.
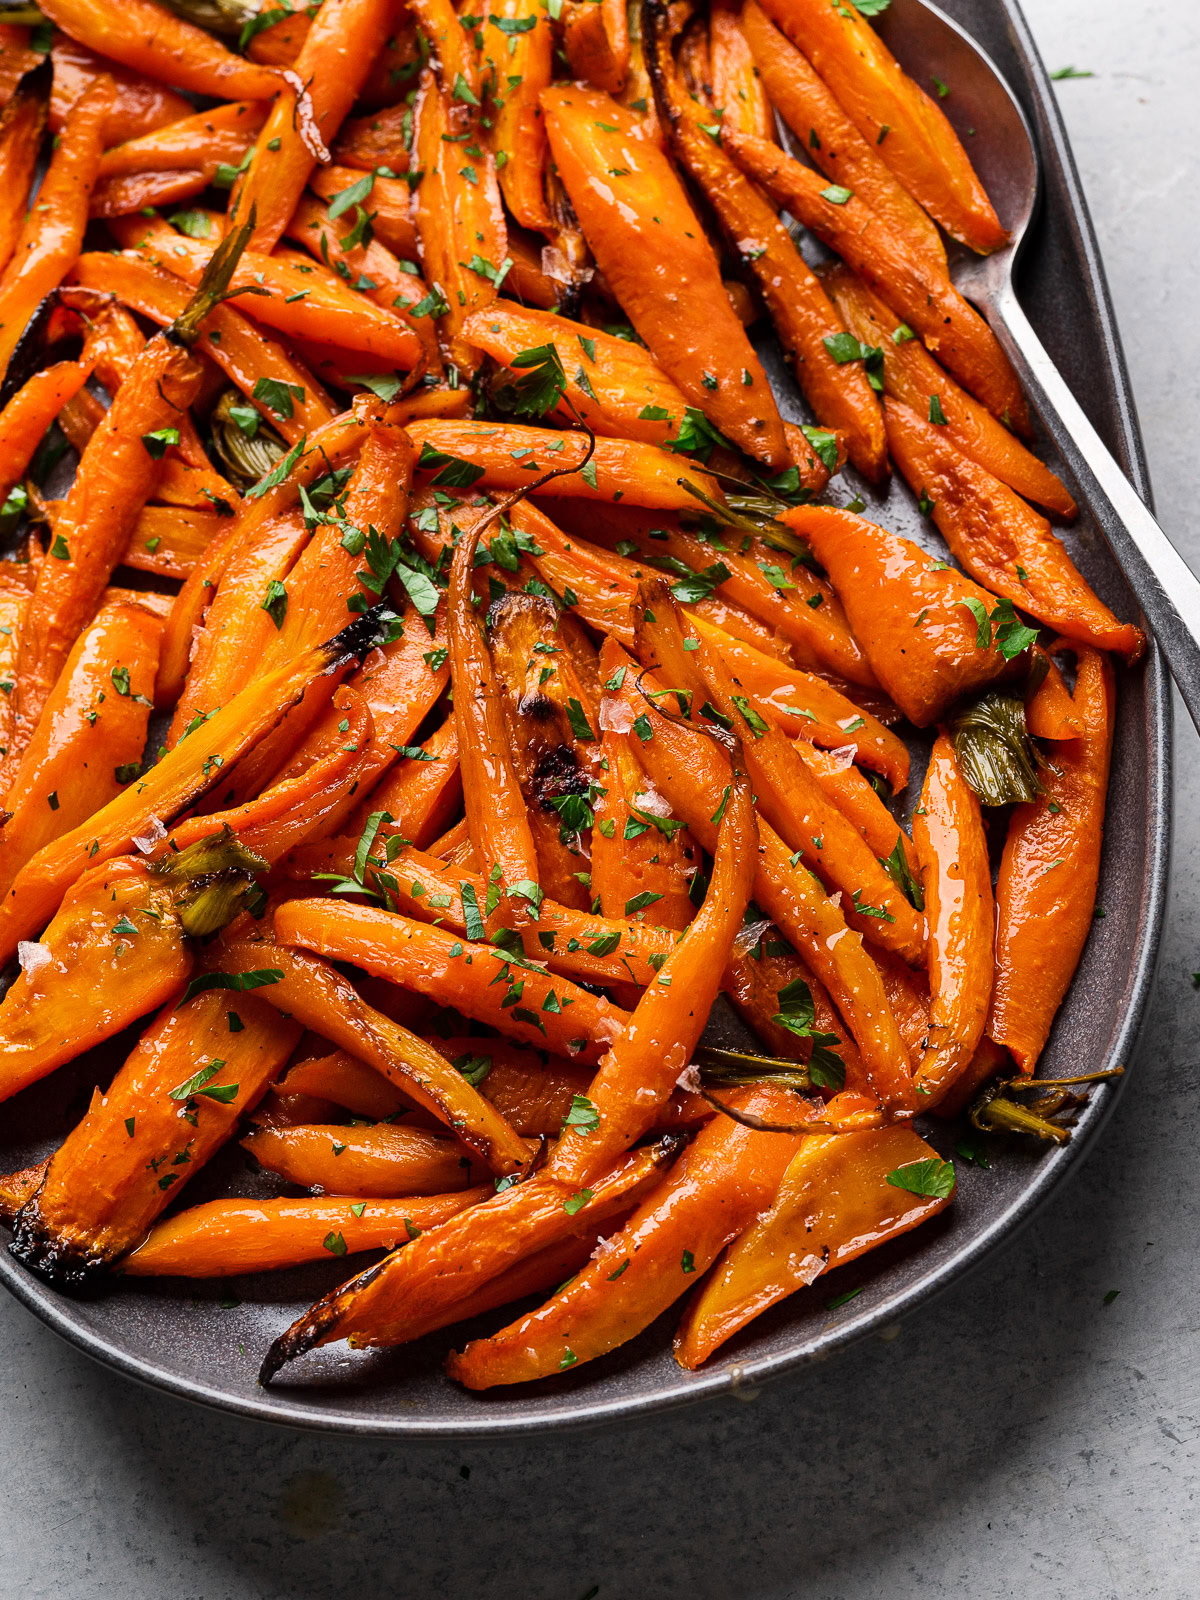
(147, 37)
(459, 218)
(496, 816)
(916, 618)
(170, 540)
(810, 708)
(172, 1105)
(16, 58)
(334, 59)
(343, 1080)
(31, 411)
(243, 351)
(622, 379)
(88, 745)
(761, 973)
(596, 43)
(422, 958)
(1050, 713)
(14, 602)
(830, 139)
(952, 851)
(139, 106)
(694, 782)
(224, 1238)
(1046, 890)
(422, 1283)
(660, 266)
(894, 115)
(17, 1187)
(527, 282)
(801, 310)
(651, 863)
(922, 294)
(857, 800)
(517, 64)
(911, 375)
(49, 241)
(330, 443)
(534, 1091)
(281, 43)
(388, 204)
(205, 140)
(178, 780)
(785, 790)
(89, 976)
(738, 90)
(21, 126)
(510, 453)
(382, 1160)
(715, 1190)
(308, 303)
(378, 139)
(1000, 540)
(834, 1203)
(639, 1072)
(456, 59)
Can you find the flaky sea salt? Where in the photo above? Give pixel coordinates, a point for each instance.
(32, 956)
(689, 1079)
(649, 799)
(843, 757)
(615, 715)
(749, 936)
(155, 833)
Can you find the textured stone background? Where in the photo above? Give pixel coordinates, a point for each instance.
(1017, 1438)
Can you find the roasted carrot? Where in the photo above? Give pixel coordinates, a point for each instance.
(1000, 540)
(801, 310)
(716, 1189)
(456, 58)
(894, 115)
(49, 241)
(834, 1203)
(377, 139)
(88, 744)
(21, 126)
(694, 782)
(343, 1080)
(952, 851)
(425, 1280)
(139, 104)
(517, 62)
(786, 792)
(1046, 891)
(205, 140)
(459, 218)
(1050, 713)
(322, 999)
(927, 630)
(113, 952)
(388, 203)
(738, 90)
(911, 375)
(659, 265)
(856, 799)
(32, 410)
(830, 139)
(332, 66)
(179, 779)
(17, 58)
(150, 39)
(224, 1238)
(382, 1160)
(423, 958)
(596, 43)
(14, 602)
(922, 294)
(196, 1070)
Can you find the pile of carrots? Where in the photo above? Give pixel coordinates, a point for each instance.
(446, 676)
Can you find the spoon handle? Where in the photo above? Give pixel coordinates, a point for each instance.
(1166, 587)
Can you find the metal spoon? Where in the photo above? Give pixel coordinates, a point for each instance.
(926, 41)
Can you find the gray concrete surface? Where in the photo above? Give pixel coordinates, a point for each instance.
(1018, 1438)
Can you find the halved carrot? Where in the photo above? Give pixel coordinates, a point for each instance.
(1046, 891)
(21, 127)
(1000, 540)
(894, 115)
(388, 204)
(1050, 713)
(139, 106)
(834, 1203)
(952, 850)
(911, 375)
(204, 140)
(382, 1160)
(160, 1120)
(517, 64)
(596, 43)
(659, 264)
(951, 327)
(224, 1238)
(738, 87)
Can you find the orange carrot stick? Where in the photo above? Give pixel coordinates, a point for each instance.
(660, 266)
(1046, 891)
(21, 128)
(738, 89)
(893, 115)
(225, 1238)
(952, 850)
(381, 1160)
(140, 105)
(160, 1120)
(150, 39)
(49, 242)
(517, 65)
(205, 140)
(388, 203)
(727, 1176)
(31, 411)
(1051, 713)
(1000, 540)
(834, 1203)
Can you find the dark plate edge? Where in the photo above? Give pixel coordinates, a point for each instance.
(1056, 1166)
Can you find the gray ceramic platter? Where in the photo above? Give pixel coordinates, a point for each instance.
(204, 1342)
